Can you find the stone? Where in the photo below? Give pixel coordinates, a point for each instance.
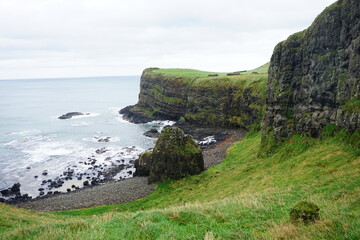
(305, 212)
(152, 133)
(175, 156)
(142, 165)
(16, 188)
(70, 115)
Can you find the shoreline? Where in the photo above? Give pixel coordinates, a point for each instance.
(128, 190)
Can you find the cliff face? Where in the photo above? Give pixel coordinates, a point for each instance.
(226, 101)
(314, 76)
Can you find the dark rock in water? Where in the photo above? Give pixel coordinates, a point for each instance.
(305, 212)
(101, 150)
(16, 188)
(95, 181)
(104, 139)
(175, 156)
(152, 133)
(73, 186)
(36, 176)
(44, 173)
(41, 193)
(131, 114)
(68, 190)
(49, 192)
(70, 115)
(41, 189)
(28, 168)
(5, 192)
(142, 165)
(86, 183)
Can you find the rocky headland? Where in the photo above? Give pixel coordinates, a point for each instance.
(196, 97)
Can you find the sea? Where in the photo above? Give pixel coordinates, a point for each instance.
(37, 148)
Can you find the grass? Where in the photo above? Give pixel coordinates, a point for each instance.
(245, 197)
(352, 106)
(201, 77)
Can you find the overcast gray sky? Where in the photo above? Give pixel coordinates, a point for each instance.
(76, 38)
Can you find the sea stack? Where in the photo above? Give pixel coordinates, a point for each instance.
(175, 156)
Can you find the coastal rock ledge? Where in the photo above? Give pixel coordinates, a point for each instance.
(175, 156)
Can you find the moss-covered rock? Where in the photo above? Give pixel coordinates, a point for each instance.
(142, 165)
(304, 211)
(175, 156)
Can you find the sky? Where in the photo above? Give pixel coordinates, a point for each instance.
(81, 38)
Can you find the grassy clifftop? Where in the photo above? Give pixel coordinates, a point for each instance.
(190, 74)
(245, 197)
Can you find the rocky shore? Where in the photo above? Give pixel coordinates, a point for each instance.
(134, 188)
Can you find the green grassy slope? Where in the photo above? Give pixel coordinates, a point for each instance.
(245, 197)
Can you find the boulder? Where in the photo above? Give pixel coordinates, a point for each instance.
(16, 188)
(142, 165)
(304, 211)
(152, 133)
(175, 156)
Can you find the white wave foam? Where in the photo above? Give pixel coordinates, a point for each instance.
(115, 110)
(162, 123)
(39, 148)
(86, 115)
(26, 132)
(122, 120)
(207, 140)
(102, 139)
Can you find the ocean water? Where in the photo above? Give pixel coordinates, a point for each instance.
(36, 146)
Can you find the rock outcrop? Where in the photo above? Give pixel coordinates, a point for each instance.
(314, 76)
(70, 115)
(223, 101)
(175, 156)
(305, 212)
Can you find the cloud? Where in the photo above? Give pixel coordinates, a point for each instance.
(69, 38)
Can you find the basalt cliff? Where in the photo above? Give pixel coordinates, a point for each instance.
(196, 97)
(314, 76)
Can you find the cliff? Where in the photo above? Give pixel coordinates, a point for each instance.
(314, 76)
(195, 97)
